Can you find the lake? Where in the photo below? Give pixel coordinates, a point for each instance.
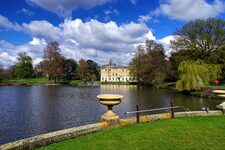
(31, 110)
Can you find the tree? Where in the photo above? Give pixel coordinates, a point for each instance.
(52, 64)
(38, 70)
(70, 69)
(10, 72)
(83, 71)
(194, 75)
(24, 67)
(94, 70)
(136, 63)
(1, 73)
(149, 64)
(200, 40)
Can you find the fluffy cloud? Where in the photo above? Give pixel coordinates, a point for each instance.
(166, 43)
(101, 41)
(4, 22)
(190, 9)
(41, 29)
(89, 40)
(8, 52)
(6, 59)
(64, 8)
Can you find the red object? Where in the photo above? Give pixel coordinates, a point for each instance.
(217, 82)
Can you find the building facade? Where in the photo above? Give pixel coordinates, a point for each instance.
(113, 73)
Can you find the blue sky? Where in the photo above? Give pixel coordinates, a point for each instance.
(98, 29)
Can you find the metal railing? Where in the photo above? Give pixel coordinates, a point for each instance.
(157, 109)
(171, 108)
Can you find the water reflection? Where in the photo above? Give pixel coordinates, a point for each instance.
(30, 110)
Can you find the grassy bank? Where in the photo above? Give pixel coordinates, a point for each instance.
(43, 80)
(182, 133)
(207, 92)
(28, 80)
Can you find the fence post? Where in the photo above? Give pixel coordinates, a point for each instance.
(172, 109)
(137, 114)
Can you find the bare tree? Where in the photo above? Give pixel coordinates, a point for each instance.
(52, 64)
(1, 73)
(83, 70)
(149, 64)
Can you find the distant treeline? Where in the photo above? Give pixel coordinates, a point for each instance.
(53, 65)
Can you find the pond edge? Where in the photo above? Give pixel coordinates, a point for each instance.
(61, 135)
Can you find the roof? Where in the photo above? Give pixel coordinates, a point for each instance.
(114, 66)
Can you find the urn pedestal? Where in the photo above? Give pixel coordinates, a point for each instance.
(110, 100)
(220, 93)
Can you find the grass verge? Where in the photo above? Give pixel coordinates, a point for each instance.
(182, 133)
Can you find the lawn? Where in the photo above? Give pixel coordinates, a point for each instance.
(221, 87)
(182, 133)
(29, 80)
(42, 80)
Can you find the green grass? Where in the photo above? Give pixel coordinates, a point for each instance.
(182, 133)
(75, 82)
(29, 80)
(42, 80)
(218, 87)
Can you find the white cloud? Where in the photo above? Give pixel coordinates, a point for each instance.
(64, 8)
(6, 59)
(144, 18)
(41, 29)
(4, 22)
(187, 10)
(25, 11)
(109, 12)
(8, 52)
(166, 43)
(150, 36)
(114, 11)
(89, 40)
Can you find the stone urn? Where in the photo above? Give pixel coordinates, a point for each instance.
(220, 93)
(110, 100)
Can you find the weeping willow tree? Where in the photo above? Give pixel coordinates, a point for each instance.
(193, 75)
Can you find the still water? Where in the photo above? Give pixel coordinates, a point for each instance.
(31, 110)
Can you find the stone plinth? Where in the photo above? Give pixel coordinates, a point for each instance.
(110, 100)
(221, 107)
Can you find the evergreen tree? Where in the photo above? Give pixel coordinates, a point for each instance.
(24, 67)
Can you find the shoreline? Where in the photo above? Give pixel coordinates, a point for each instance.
(204, 93)
(65, 134)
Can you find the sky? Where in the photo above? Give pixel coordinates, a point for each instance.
(95, 29)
